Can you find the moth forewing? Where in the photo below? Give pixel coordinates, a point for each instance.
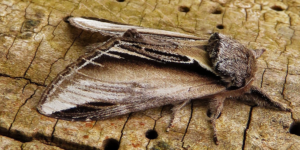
(103, 77)
(113, 28)
(124, 84)
(189, 44)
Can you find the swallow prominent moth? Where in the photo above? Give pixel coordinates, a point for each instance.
(141, 68)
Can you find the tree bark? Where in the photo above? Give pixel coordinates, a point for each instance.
(36, 44)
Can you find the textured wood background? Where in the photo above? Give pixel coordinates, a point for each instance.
(36, 44)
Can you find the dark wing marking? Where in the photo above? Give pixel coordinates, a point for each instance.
(157, 40)
(156, 49)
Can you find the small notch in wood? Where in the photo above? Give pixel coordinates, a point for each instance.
(277, 8)
(183, 9)
(220, 26)
(216, 11)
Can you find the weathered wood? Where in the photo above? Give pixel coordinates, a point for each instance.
(36, 44)
(11, 144)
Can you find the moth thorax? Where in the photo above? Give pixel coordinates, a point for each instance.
(231, 60)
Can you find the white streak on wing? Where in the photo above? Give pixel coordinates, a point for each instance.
(98, 26)
(88, 95)
(67, 99)
(169, 92)
(73, 98)
(73, 71)
(82, 92)
(99, 83)
(102, 25)
(110, 92)
(90, 77)
(86, 63)
(121, 50)
(50, 107)
(94, 63)
(108, 54)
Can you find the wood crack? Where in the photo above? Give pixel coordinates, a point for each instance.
(124, 128)
(187, 127)
(9, 130)
(32, 58)
(247, 127)
(18, 78)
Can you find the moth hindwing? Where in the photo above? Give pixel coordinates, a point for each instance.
(142, 68)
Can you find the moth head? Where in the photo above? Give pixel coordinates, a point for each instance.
(234, 63)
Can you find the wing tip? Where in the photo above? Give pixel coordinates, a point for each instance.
(67, 19)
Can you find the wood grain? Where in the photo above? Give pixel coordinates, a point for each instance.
(36, 44)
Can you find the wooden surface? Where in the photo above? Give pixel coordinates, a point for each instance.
(36, 44)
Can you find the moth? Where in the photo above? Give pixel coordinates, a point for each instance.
(141, 68)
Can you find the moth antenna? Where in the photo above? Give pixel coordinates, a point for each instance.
(176, 108)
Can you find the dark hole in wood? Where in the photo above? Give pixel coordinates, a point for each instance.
(120, 0)
(183, 9)
(295, 128)
(151, 134)
(111, 144)
(217, 11)
(220, 26)
(277, 8)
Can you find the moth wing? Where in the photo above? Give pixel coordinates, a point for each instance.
(103, 85)
(113, 28)
(192, 43)
(129, 74)
(198, 55)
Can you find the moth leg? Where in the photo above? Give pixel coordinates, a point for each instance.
(260, 98)
(176, 108)
(214, 111)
